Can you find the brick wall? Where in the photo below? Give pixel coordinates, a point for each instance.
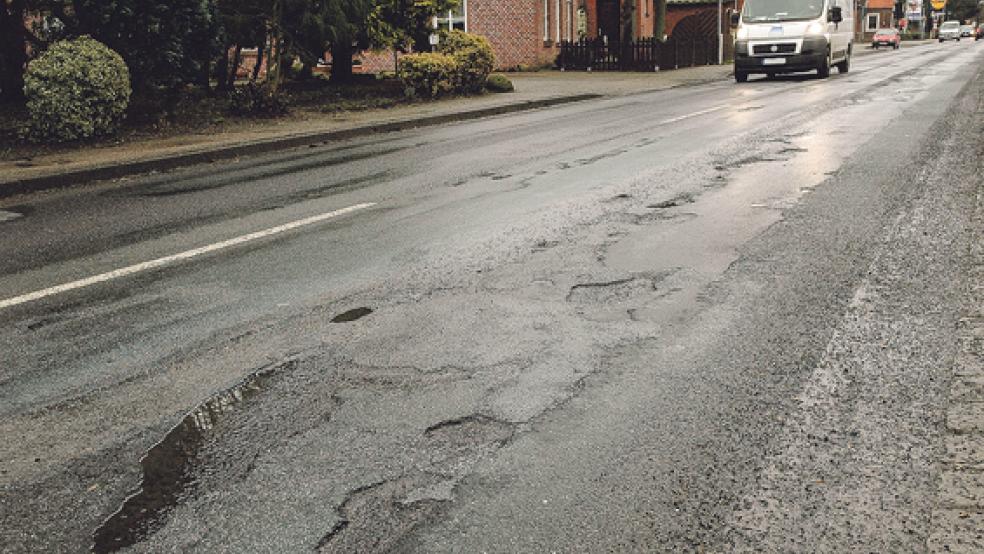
(514, 27)
(674, 13)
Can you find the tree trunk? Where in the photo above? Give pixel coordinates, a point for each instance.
(259, 60)
(13, 50)
(237, 58)
(205, 72)
(341, 61)
(222, 71)
(307, 70)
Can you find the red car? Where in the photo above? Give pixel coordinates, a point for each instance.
(886, 37)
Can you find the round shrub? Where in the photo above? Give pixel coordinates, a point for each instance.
(76, 89)
(474, 56)
(428, 74)
(499, 83)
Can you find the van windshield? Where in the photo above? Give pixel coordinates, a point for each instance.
(781, 10)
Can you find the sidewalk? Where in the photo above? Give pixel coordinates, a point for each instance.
(958, 520)
(533, 90)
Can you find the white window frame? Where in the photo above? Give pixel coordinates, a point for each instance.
(454, 18)
(557, 20)
(868, 28)
(569, 31)
(546, 20)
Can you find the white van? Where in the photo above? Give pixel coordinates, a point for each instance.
(789, 36)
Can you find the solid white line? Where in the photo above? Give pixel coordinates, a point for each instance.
(689, 115)
(188, 254)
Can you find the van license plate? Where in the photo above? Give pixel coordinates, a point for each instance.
(774, 61)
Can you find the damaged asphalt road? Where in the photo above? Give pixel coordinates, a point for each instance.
(714, 318)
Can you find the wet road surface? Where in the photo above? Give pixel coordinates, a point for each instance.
(713, 317)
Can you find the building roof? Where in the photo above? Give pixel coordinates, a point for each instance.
(881, 4)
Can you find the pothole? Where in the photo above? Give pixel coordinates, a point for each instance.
(351, 315)
(469, 432)
(169, 466)
(376, 517)
(678, 200)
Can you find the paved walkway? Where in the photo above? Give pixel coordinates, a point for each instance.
(958, 519)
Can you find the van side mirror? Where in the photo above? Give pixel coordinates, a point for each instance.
(835, 15)
(735, 18)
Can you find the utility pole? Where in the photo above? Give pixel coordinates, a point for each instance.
(720, 33)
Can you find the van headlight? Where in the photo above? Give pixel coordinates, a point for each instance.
(816, 28)
(742, 33)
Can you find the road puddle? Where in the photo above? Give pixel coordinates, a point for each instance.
(169, 467)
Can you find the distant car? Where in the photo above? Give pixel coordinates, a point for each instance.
(966, 30)
(886, 37)
(949, 30)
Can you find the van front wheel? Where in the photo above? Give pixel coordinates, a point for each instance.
(741, 77)
(824, 70)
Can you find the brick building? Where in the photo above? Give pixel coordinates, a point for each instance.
(875, 14)
(527, 33)
(523, 33)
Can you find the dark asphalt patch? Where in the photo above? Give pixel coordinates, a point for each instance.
(351, 315)
(673, 202)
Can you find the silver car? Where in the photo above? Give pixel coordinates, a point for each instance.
(949, 30)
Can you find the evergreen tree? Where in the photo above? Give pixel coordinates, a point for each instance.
(165, 44)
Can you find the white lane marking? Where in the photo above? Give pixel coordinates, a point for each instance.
(690, 115)
(188, 254)
(9, 216)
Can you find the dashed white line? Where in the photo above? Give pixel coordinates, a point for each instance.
(8, 216)
(690, 115)
(186, 255)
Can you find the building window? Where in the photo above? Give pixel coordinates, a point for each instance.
(556, 16)
(456, 19)
(871, 22)
(569, 28)
(546, 20)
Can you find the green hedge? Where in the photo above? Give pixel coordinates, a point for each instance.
(428, 75)
(499, 83)
(474, 57)
(75, 90)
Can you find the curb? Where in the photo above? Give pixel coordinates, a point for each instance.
(166, 163)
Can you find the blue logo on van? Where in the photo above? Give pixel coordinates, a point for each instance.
(776, 30)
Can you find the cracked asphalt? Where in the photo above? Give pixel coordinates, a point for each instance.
(714, 318)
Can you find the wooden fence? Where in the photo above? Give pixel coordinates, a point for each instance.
(646, 54)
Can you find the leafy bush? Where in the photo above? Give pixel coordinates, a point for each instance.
(499, 83)
(258, 100)
(474, 57)
(75, 90)
(429, 74)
